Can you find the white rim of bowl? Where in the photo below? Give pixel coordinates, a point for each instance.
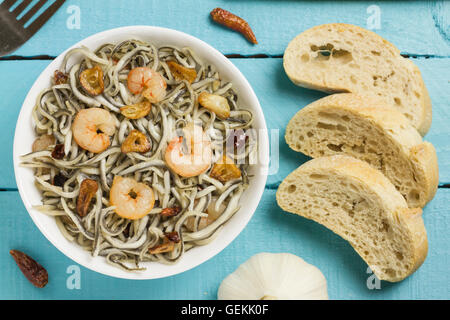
(214, 249)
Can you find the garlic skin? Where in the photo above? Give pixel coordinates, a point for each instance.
(274, 276)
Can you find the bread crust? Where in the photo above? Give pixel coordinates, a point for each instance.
(424, 156)
(407, 221)
(413, 219)
(427, 114)
(396, 128)
(427, 109)
(293, 67)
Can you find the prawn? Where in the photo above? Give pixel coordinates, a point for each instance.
(189, 154)
(148, 82)
(133, 200)
(91, 129)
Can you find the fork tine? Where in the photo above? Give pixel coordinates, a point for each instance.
(18, 10)
(32, 11)
(8, 3)
(34, 27)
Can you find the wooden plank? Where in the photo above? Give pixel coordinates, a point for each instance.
(423, 30)
(270, 230)
(279, 98)
(437, 81)
(16, 77)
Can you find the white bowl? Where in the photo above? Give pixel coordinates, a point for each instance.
(24, 137)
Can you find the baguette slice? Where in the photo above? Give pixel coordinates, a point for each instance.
(345, 58)
(361, 205)
(368, 129)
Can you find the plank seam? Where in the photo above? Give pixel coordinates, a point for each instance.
(422, 56)
(269, 186)
(228, 55)
(20, 58)
(275, 185)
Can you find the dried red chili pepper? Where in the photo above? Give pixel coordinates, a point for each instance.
(233, 22)
(173, 236)
(32, 270)
(170, 212)
(60, 77)
(58, 152)
(88, 188)
(162, 248)
(59, 180)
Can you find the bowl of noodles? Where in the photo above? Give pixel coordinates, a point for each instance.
(134, 150)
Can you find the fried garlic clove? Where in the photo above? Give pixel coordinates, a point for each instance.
(136, 142)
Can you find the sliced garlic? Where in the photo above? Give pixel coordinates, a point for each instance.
(215, 103)
(274, 276)
(203, 222)
(211, 210)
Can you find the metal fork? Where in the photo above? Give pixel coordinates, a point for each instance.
(13, 33)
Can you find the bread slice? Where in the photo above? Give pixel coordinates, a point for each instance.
(345, 58)
(370, 130)
(361, 205)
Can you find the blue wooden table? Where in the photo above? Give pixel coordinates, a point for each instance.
(420, 29)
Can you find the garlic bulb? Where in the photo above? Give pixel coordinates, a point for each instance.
(274, 276)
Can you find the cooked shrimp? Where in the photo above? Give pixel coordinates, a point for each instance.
(91, 129)
(148, 82)
(133, 200)
(190, 154)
